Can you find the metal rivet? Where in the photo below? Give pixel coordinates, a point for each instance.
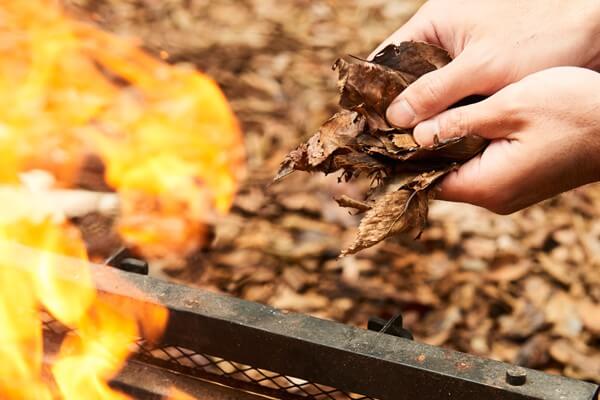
(516, 376)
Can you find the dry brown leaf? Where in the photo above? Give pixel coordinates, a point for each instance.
(584, 360)
(561, 310)
(287, 299)
(445, 320)
(393, 213)
(525, 320)
(296, 160)
(360, 142)
(590, 315)
(404, 141)
(556, 269)
(369, 89)
(355, 164)
(458, 149)
(335, 134)
(510, 272)
(426, 179)
(277, 106)
(413, 58)
(535, 352)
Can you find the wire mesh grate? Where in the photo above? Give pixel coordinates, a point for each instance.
(226, 372)
(201, 364)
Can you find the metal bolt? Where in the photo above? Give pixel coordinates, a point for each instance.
(516, 376)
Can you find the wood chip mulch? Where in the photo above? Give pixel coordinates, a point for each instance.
(523, 288)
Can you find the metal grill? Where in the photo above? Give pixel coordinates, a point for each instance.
(219, 370)
(219, 347)
(224, 371)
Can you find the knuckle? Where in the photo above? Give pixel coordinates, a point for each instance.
(498, 74)
(511, 100)
(489, 70)
(454, 124)
(517, 95)
(512, 106)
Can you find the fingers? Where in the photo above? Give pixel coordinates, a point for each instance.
(485, 119)
(458, 185)
(475, 183)
(436, 91)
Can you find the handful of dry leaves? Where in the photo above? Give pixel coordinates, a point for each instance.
(359, 141)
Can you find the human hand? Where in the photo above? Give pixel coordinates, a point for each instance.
(545, 139)
(493, 43)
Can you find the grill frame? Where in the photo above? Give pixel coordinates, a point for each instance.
(313, 350)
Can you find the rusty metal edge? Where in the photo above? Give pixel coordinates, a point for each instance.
(152, 382)
(325, 352)
(149, 381)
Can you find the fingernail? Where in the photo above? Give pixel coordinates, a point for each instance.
(401, 114)
(426, 132)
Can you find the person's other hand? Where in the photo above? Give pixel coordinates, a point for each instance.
(545, 139)
(493, 43)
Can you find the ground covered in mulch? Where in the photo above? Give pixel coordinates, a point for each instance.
(523, 288)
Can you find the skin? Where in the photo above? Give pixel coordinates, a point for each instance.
(544, 122)
(545, 139)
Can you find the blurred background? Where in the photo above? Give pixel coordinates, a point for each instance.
(523, 288)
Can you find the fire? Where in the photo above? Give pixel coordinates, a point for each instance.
(172, 151)
(21, 293)
(170, 143)
(177, 394)
(102, 334)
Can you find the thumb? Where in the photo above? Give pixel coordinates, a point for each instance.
(479, 119)
(436, 91)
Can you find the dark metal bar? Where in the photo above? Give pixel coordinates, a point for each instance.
(227, 381)
(337, 355)
(148, 382)
(329, 353)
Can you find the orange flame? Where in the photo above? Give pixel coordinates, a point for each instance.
(176, 394)
(171, 145)
(101, 337)
(172, 150)
(21, 293)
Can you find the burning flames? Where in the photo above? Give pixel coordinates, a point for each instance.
(21, 294)
(102, 332)
(172, 152)
(171, 146)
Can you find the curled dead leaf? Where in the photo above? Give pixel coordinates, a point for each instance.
(337, 133)
(393, 213)
(369, 89)
(359, 141)
(414, 58)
